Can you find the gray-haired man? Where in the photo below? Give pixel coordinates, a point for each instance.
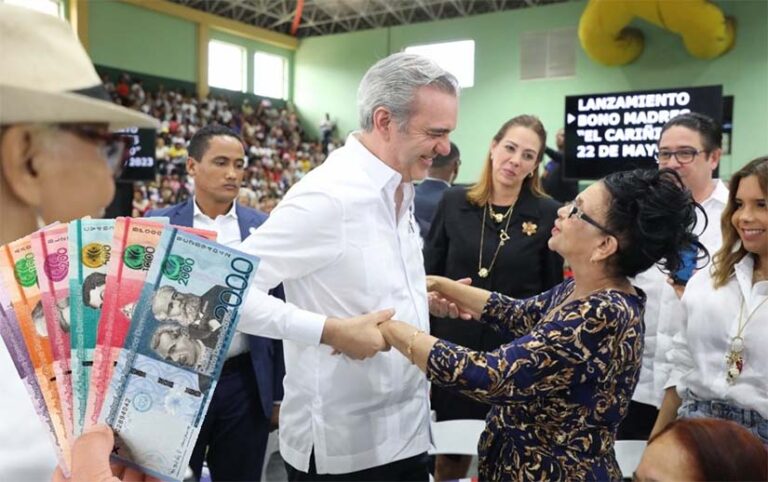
(344, 242)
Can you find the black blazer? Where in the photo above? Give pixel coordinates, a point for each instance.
(524, 267)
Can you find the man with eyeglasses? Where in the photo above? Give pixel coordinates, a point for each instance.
(691, 145)
(57, 161)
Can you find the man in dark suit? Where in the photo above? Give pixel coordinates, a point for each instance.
(234, 434)
(442, 173)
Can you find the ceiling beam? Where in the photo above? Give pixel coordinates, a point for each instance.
(330, 16)
(218, 23)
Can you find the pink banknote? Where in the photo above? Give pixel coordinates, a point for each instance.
(51, 249)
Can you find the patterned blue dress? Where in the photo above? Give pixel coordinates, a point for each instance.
(559, 389)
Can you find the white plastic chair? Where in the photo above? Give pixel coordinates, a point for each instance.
(273, 446)
(456, 436)
(628, 454)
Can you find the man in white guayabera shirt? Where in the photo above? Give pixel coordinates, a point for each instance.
(344, 243)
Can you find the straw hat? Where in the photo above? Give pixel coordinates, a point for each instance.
(47, 77)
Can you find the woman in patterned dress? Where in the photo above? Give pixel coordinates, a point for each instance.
(562, 383)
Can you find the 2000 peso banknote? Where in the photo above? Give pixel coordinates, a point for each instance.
(176, 345)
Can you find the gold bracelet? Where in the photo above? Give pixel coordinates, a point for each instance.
(410, 345)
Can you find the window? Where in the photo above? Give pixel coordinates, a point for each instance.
(51, 7)
(270, 75)
(457, 58)
(226, 66)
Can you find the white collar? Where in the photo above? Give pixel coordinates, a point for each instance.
(719, 194)
(231, 213)
(380, 174)
(744, 270)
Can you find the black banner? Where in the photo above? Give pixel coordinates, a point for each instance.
(605, 133)
(140, 164)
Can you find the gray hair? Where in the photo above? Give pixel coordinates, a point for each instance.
(392, 83)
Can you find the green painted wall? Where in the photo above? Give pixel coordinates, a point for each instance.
(132, 38)
(253, 46)
(329, 68)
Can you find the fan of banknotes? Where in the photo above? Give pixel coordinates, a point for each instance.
(126, 322)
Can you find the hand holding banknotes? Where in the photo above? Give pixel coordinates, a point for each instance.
(90, 460)
(357, 337)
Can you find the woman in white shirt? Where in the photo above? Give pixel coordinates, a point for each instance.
(720, 358)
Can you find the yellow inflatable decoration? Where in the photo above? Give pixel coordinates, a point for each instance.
(604, 34)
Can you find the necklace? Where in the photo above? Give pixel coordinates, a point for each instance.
(498, 217)
(734, 359)
(503, 238)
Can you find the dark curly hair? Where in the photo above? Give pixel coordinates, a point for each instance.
(653, 215)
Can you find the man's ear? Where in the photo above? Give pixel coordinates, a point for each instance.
(17, 164)
(714, 158)
(383, 122)
(191, 166)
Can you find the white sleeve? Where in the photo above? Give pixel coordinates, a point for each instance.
(679, 355)
(303, 234)
(671, 314)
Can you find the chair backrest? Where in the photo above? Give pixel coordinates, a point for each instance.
(273, 447)
(462, 436)
(628, 454)
(457, 436)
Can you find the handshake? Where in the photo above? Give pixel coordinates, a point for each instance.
(359, 337)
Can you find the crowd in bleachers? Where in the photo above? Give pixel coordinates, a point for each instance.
(279, 151)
